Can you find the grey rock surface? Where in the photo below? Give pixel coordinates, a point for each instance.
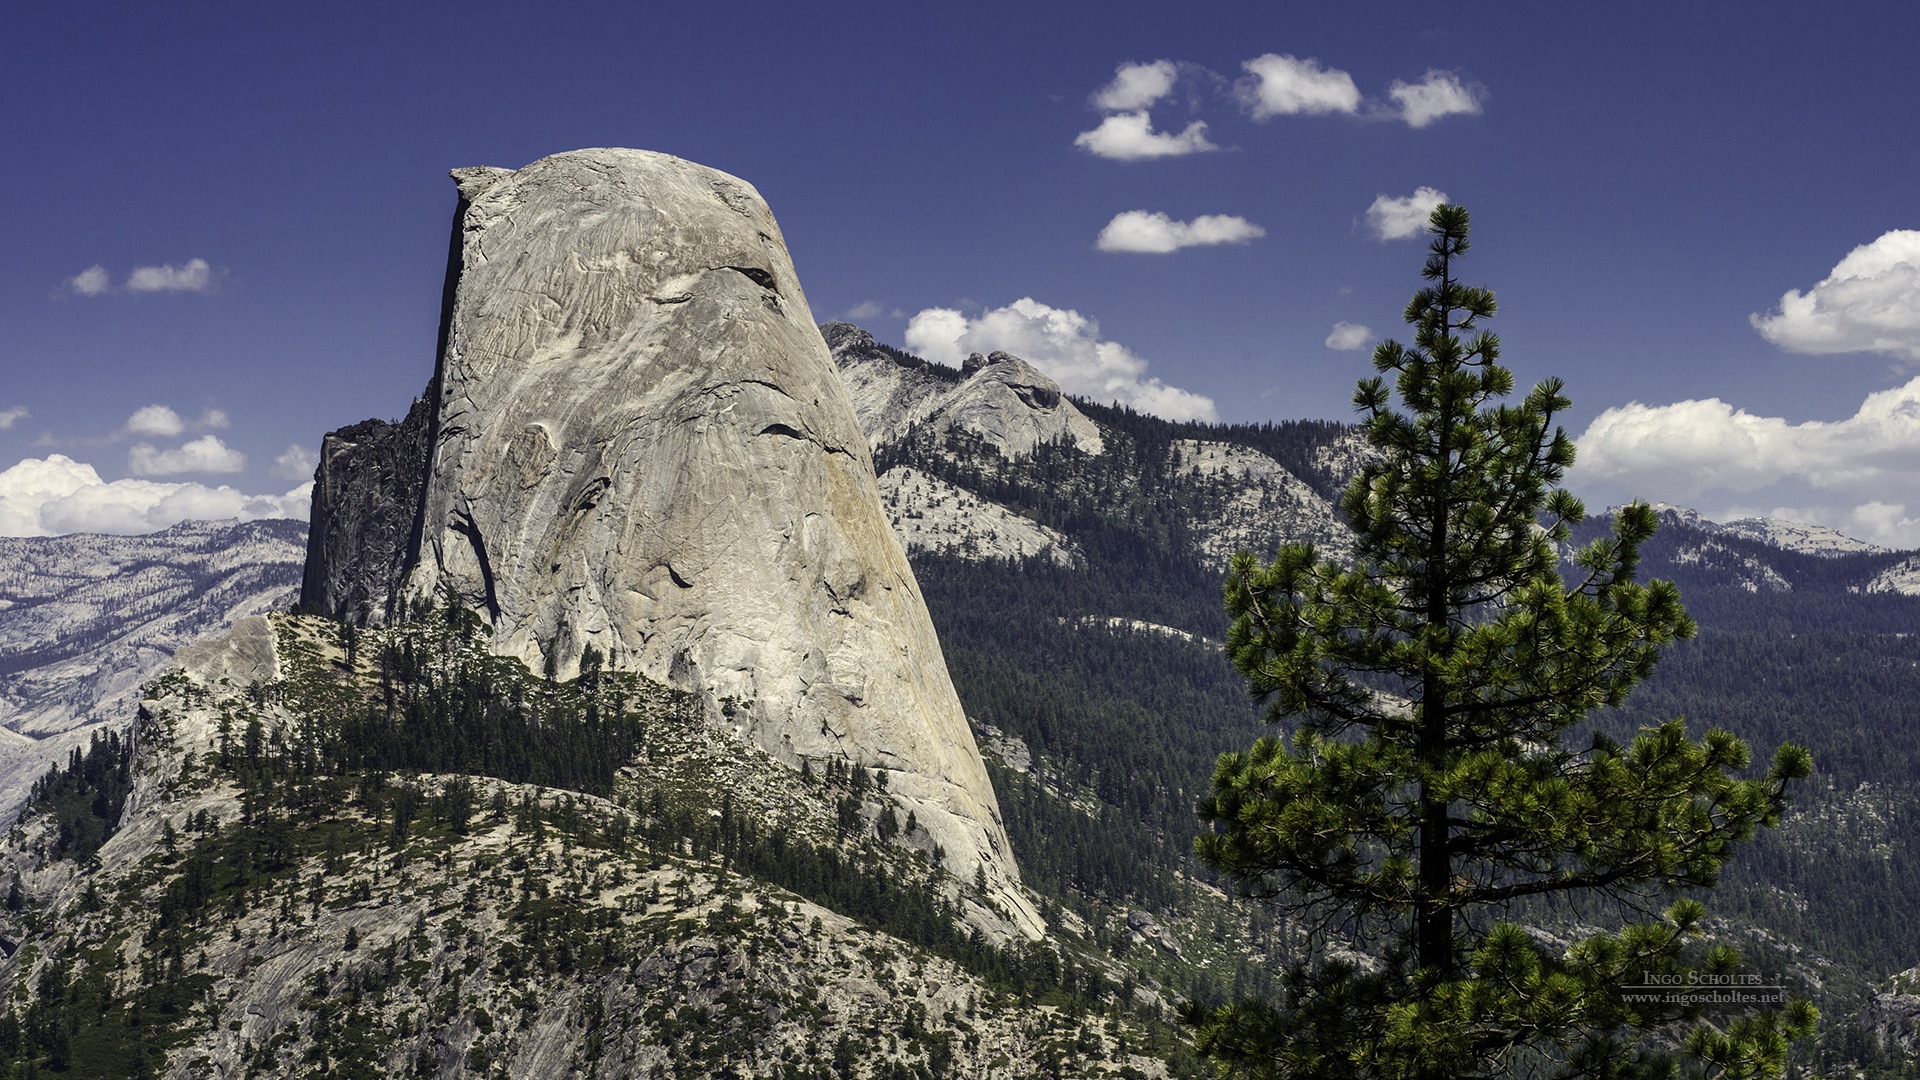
(1000, 398)
(1268, 505)
(85, 620)
(640, 443)
(929, 514)
(366, 505)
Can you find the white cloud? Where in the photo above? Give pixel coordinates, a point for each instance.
(214, 418)
(10, 417)
(865, 309)
(1129, 136)
(1280, 85)
(207, 454)
(1136, 86)
(1870, 302)
(1156, 233)
(1437, 94)
(192, 276)
(295, 463)
(56, 494)
(1347, 337)
(1868, 465)
(92, 281)
(156, 420)
(1392, 218)
(1064, 344)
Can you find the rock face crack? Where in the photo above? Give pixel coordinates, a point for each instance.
(762, 278)
(464, 524)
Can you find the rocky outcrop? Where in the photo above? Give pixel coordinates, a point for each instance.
(1892, 1015)
(1902, 577)
(640, 445)
(1266, 505)
(366, 497)
(930, 514)
(1000, 398)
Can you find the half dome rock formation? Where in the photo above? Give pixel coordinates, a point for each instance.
(639, 444)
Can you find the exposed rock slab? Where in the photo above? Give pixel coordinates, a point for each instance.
(930, 514)
(1902, 577)
(1268, 505)
(640, 444)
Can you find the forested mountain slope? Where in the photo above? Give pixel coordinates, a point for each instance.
(1079, 661)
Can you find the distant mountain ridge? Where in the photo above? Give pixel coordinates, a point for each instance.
(1763, 555)
(1004, 400)
(86, 619)
(944, 438)
(1797, 536)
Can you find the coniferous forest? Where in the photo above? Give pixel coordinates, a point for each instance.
(1139, 715)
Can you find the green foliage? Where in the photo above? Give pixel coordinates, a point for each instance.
(1428, 785)
(85, 799)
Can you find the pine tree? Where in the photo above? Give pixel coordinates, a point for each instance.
(1429, 797)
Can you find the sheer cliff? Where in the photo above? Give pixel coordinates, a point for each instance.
(638, 448)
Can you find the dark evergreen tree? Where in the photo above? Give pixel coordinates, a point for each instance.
(1429, 784)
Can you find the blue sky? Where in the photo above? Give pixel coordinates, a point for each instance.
(230, 220)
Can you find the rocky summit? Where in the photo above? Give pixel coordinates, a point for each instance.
(636, 447)
(999, 398)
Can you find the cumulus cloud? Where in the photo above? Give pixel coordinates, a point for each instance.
(1347, 337)
(162, 422)
(1870, 302)
(56, 494)
(1064, 344)
(206, 454)
(1281, 85)
(93, 281)
(1136, 86)
(1129, 136)
(295, 463)
(10, 417)
(1867, 465)
(155, 420)
(1437, 94)
(1391, 218)
(1156, 233)
(194, 276)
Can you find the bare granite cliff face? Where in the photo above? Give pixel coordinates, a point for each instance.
(640, 444)
(367, 491)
